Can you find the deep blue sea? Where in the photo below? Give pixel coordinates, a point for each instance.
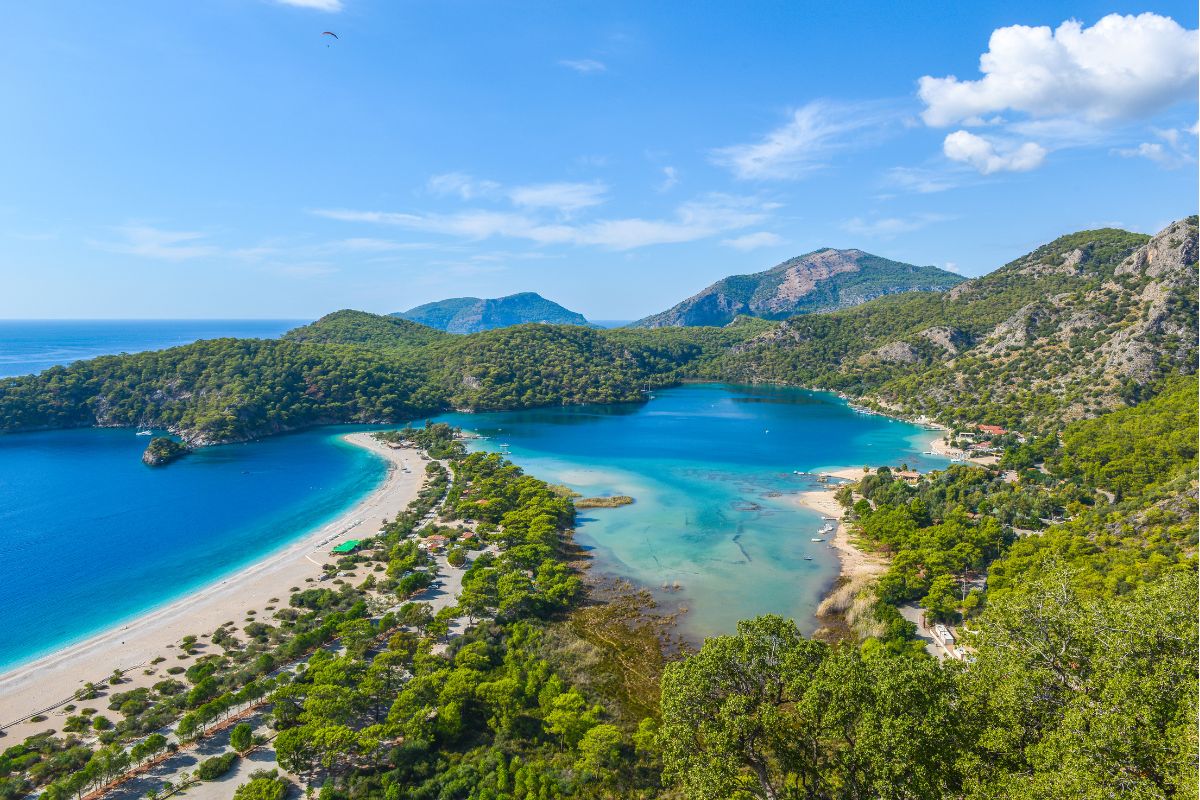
(28, 346)
(89, 536)
(713, 469)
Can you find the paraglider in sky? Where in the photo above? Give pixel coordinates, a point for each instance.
(330, 33)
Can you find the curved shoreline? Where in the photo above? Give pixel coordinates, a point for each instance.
(35, 685)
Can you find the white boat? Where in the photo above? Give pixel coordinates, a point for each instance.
(815, 539)
(145, 432)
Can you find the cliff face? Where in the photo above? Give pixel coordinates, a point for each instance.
(824, 280)
(473, 314)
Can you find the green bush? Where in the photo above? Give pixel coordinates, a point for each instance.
(212, 768)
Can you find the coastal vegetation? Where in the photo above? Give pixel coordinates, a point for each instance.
(614, 501)
(1070, 567)
(1087, 324)
(163, 450)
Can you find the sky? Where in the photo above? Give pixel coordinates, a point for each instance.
(227, 159)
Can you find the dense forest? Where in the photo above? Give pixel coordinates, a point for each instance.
(1081, 682)
(1089, 323)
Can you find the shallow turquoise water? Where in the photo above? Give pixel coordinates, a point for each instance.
(713, 469)
(89, 536)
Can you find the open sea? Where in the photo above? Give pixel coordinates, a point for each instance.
(28, 346)
(90, 537)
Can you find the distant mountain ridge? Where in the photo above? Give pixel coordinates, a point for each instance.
(823, 280)
(474, 314)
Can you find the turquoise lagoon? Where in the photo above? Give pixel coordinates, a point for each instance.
(714, 470)
(89, 537)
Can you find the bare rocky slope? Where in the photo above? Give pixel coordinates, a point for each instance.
(824, 280)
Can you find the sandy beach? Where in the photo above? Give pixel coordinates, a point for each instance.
(131, 646)
(856, 564)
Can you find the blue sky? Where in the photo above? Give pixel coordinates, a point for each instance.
(222, 158)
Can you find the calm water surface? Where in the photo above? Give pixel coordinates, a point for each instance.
(714, 471)
(89, 536)
(28, 346)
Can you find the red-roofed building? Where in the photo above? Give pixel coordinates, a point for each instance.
(994, 430)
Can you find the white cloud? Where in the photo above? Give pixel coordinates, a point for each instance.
(922, 181)
(887, 227)
(814, 133)
(698, 219)
(985, 156)
(585, 66)
(951, 266)
(459, 183)
(316, 5)
(1121, 68)
(670, 179)
(565, 197)
(1172, 152)
(753, 241)
(150, 242)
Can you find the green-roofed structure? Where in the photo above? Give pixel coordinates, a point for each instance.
(348, 546)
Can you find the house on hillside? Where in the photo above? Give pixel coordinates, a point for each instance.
(991, 430)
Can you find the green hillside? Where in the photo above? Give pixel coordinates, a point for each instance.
(473, 314)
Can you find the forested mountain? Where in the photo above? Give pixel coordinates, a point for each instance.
(1077, 327)
(1089, 323)
(359, 327)
(824, 280)
(472, 314)
(1072, 564)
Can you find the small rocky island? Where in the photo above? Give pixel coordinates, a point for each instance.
(162, 450)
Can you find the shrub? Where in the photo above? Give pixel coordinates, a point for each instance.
(212, 768)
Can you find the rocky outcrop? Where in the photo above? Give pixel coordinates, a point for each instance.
(162, 451)
(824, 280)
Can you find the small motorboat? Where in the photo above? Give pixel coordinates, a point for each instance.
(808, 558)
(145, 432)
(815, 539)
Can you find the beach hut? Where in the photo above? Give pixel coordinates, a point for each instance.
(346, 548)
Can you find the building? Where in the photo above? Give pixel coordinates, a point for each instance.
(991, 430)
(346, 548)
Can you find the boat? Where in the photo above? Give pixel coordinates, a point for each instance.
(830, 519)
(808, 558)
(145, 432)
(816, 539)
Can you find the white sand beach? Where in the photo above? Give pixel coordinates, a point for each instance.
(131, 646)
(856, 564)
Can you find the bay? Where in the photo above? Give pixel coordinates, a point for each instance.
(714, 472)
(90, 537)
